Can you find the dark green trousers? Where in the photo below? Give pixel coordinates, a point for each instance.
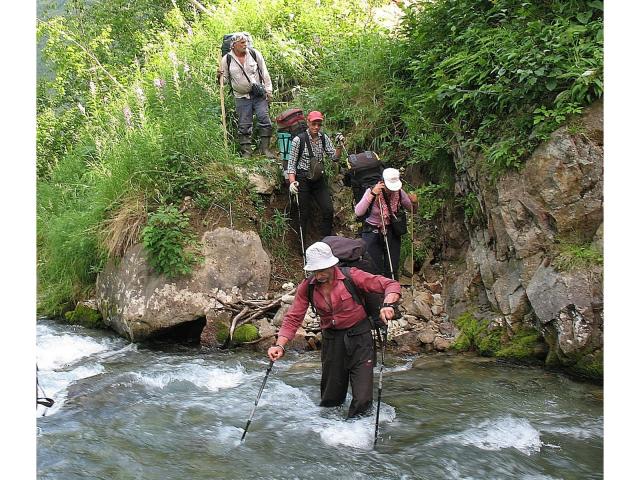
(348, 357)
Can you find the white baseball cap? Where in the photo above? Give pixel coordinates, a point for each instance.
(319, 256)
(391, 177)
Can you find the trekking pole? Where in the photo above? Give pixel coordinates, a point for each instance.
(257, 400)
(383, 342)
(304, 254)
(43, 400)
(224, 114)
(412, 240)
(384, 234)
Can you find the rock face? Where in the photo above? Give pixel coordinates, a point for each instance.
(138, 303)
(509, 260)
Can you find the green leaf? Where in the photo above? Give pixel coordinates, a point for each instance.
(584, 17)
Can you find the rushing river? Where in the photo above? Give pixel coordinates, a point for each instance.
(126, 411)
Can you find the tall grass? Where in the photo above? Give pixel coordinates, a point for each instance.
(144, 121)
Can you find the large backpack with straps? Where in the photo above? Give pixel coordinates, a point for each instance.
(352, 252)
(290, 124)
(365, 170)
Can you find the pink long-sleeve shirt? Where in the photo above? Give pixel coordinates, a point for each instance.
(374, 217)
(342, 311)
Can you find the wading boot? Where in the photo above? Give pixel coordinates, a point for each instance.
(265, 139)
(245, 145)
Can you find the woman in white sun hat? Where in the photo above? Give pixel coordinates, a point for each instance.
(379, 205)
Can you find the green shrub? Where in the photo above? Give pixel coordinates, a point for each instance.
(167, 240)
(273, 231)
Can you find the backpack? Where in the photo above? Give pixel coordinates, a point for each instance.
(226, 42)
(365, 170)
(352, 252)
(290, 124)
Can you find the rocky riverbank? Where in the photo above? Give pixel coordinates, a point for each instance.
(521, 278)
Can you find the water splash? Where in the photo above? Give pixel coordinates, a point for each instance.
(57, 351)
(498, 434)
(211, 378)
(56, 354)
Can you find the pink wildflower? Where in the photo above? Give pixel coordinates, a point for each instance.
(127, 115)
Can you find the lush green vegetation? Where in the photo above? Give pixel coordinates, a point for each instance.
(167, 239)
(129, 111)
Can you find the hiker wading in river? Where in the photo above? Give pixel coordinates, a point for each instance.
(347, 344)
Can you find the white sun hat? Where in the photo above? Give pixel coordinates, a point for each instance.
(391, 178)
(319, 256)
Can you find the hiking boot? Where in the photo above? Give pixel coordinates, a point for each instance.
(245, 145)
(264, 147)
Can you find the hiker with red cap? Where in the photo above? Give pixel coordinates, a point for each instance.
(348, 354)
(385, 222)
(306, 172)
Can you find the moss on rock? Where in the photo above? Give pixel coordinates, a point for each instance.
(477, 334)
(85, 316)
(246, 333)
(222, 331)
(522, 346)
(590, 365)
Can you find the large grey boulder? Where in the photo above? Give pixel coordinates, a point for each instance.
(569, 307)
(138, 303)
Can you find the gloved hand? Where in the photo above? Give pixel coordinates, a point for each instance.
(339, 138)
(293, 188)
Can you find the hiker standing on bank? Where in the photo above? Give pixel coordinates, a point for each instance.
(312, 143)
(347, 344)
(388, 194)
(247, 73)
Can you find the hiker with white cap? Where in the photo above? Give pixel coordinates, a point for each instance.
(347, 344)
(385, 224)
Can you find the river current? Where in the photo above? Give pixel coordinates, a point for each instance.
(159, 411)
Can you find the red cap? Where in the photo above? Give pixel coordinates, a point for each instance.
(313, 116)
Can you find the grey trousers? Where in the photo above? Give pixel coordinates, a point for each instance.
(245, 107)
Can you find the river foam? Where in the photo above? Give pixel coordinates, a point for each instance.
(203, 376)
(498, 434)
(64, 358)
(356, 433)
